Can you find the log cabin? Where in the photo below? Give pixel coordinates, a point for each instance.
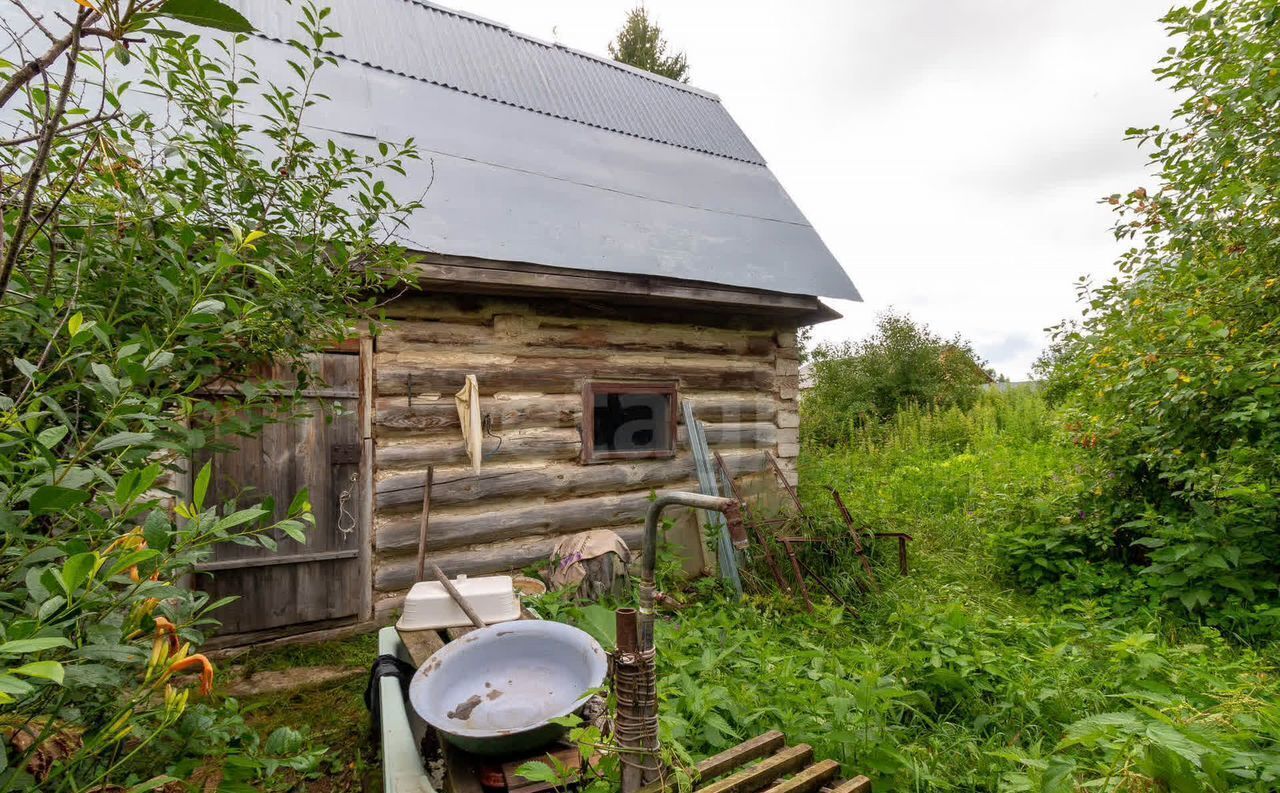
(598, 245)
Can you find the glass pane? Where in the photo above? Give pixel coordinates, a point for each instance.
(631, 422)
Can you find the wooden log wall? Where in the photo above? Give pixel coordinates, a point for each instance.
(531, 358)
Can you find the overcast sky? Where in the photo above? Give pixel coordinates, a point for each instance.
(950, 152)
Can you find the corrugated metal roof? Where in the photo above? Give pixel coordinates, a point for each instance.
(500, 182)
(473, 55)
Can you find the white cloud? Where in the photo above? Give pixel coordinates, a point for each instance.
(950, 152)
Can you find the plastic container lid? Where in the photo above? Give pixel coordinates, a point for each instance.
(429, 606)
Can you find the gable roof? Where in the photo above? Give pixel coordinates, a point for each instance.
(541, 154)
(486, 59)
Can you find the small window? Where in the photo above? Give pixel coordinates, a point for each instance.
(628, 421)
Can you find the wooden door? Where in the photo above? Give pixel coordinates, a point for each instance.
(298, 587)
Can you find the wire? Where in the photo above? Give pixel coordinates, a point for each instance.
(486, 426)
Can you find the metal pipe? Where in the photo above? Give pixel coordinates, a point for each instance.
(625, 624)
(628, 688)
(733, 516)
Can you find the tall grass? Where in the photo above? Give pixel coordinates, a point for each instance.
(950, 679)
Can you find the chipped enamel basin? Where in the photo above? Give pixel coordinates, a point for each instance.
(496, 689)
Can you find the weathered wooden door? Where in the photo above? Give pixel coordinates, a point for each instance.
(307, 586)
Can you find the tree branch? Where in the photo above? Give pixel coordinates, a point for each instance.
(35, 20)
(63, 130)
(41, 160)
(34, 67)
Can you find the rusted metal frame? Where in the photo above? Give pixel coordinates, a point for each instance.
(826, 587)
(857, 541)
(749, 518)
(903, 538)
(782, 477)
(815, 576)
(795, 567)
(590, 456)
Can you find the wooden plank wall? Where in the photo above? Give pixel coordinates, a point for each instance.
(531, 359)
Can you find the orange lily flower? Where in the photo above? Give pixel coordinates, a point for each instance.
(166, 628)
(206, 670)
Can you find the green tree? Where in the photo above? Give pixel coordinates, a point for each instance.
(153, 245)
(902, 363)
(1174, 369)
(640, 44)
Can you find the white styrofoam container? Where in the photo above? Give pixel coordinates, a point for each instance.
(428, 605)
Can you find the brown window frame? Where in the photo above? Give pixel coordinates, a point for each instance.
(590, 388)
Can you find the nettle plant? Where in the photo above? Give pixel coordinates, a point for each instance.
(1174, 372)
(168, 227)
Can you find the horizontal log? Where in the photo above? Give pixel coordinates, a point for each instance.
(550, 444)
(580, 337)
(442, 415)
(453, 308)
(400, 572)
(747, 435)
(563, 480)
(479, 304)
(536, 444)
(550, 375)
(731, 407)
(395, 416)
(449, 530)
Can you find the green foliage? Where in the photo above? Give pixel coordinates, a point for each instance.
(1173, 376)
(903, 363)
(207, 737)
(168, 244)
(640, 44)
(206, 13)
(948, 680)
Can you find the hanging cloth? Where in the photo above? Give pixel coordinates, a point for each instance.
(468, 402)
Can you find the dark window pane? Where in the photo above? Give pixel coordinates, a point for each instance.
(631, 422)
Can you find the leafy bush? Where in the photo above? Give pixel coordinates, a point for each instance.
(1173, 377)
(902, 363)
(154, 252)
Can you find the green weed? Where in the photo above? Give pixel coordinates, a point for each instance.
(952, 678)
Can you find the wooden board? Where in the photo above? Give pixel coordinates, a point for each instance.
(760, 775)
(780, 769)
(859, 784)
(300, 584)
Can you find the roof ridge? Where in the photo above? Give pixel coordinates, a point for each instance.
(625, 67)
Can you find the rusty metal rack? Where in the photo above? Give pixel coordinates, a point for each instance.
(902, 537)
(783, 529)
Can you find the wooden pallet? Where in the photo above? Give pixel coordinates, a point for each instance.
(767, 763)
